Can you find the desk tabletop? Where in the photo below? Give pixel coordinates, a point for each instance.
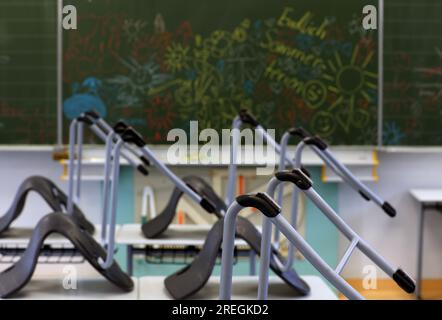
(127, 234)
(427, 195)
(94, 288)
(244, 288)
(47, 284)
(175, 235)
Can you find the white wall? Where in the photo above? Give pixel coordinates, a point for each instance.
(397, 238)
(15, 166)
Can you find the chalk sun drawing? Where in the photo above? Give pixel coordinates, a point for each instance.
(350, 81)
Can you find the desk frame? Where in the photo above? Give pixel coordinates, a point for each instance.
(428, 199)
(420, 252)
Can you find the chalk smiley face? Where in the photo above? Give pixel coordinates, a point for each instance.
(323, 123)
(314, 93)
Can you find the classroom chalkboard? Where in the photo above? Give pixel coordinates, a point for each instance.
(160, 63)
(28, 72)
(413, 73)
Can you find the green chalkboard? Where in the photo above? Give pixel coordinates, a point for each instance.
(27, 72)
(160, 63)
(413, 73)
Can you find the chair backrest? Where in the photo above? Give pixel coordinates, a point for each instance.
(190, 279)
(54, 197)
(16, 276)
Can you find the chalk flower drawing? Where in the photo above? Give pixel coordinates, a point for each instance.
(392, 134)
(133, 28)
(176, 57)
(137, 84)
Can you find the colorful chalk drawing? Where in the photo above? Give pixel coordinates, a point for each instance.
(141, 81)
(392, 134)
(431, 87)
(132, 29)
(349, 81)
(85, 97)
(176, 58)
(294, 68)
